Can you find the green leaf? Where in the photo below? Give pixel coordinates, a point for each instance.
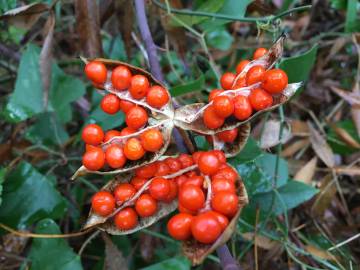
(47, 130)
(210, 6)
(27, 98)
(250, 152)
(177, 263)
(291, 195)
(337, 144)
(192, 86)
(29, 196)
(106, 121)
(219, 38)
(338, 4)
(298, 67)
(352, 22)
(52, 253)
(114, 48)
(2, 178)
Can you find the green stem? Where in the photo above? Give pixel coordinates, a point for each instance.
(233, 18)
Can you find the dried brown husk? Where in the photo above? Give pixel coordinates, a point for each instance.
(165, 127)
(184, 116)
(166, 110)
(196, 252)
(233, 148)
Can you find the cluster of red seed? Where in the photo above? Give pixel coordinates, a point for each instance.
(136, 117)
(241, 106)
(116, 154)
(196, 219)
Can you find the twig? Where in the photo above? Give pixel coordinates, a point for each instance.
(227, 261)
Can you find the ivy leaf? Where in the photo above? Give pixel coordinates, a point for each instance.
(52, 253)
(177, 263)
(298, 67)
(29, 196)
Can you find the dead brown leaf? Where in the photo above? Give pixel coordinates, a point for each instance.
(356, 88)
(261, 241)
(271, 134)
(26, 16)
(114, 259)
(320, 253)
(306, 173)
(299, 128)
(321, 147)
(325, 196)
(88, 27)
(295, 147)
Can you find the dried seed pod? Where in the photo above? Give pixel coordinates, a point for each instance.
(165, 127)
(196, 252)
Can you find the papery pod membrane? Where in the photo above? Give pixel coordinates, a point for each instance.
(165, 127)
(196, 252)
(95, 219)
(233, 148)
(184, 115)
(167, 110)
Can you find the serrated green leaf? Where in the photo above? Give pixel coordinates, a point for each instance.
(27, 98)
(52, 253)
(47, 130)
(177, 263)
(192, 86)
(298, 67)
(29, 196)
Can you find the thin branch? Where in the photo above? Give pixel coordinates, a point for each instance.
(233, 18)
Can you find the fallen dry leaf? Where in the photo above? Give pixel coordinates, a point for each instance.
(321, 147)
(114, 259)
(306, 173)
(271, 134)
(294, 147)
(262, 241)
(345, 136)
(317, 252)
(299, 128)
(325, 196)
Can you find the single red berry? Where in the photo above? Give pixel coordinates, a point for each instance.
(227, 80)
(179, 226)
(139, 86)
(226, 173)
(259, 52)
(94, 159)
(209, 163)
(159, 188)
(242, 64)
(92, 134)
(103, 203)
(133, 149)
(225, 202)
(127, 131)
(121, 78)
(125, 105)
(124, 192)
(173, 191)
(205, 228)
(275, 81)
(96, 72)
(126, 219)
(174, 164)
(196, 155)
(211, 119)
(214, 93)
(138, 182)
(180, 180)
(255, 75)
(242, 107)
(146, 171)
(162, 169)
(136, 117)
(152, 140)
(228, 136)
(111, 134)
(115, 156)
(223, 106)
(191, 197)
(260, 99)
(223, 220)
(240, 82)
(110, 104)
(218, 185)
(185, 160)
(145, 205)
(157, 96)
(196, 180)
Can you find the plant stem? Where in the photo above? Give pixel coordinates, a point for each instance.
(227, 261)
(233, 18)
